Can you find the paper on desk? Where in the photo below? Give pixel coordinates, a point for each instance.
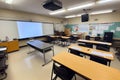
(76, 48)
(101, 54)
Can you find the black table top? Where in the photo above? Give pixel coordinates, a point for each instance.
(39, 44)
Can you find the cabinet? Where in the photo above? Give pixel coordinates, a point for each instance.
(11, 45)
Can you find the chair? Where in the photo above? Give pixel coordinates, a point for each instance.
(97, 39)
(88, 44)
(62, 72)
(101, 46)
(63, 34)
(3, 52)
(87, 37)
(118, 52)
(3, 66)
(75, 52)
(72, 40)
(99, 60)
(63, 42)
(50, 39)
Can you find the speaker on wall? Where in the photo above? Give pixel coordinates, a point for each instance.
(84, 17)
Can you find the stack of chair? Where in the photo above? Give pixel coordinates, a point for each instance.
(3, 66)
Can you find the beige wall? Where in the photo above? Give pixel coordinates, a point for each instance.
(18, 15)
(101, 18)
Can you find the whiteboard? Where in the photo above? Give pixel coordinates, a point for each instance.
(84, 28)
(9, 29)
(48, 29)
(59, 27)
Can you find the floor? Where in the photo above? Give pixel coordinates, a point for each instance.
(24, 66)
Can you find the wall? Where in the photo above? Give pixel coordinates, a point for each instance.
(24, 16)
(18, 15)
(100, 18)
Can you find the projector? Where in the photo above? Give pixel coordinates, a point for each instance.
(52, 5)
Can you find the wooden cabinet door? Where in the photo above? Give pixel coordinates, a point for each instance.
(13, 46)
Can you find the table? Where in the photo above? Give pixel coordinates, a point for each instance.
(86, 68)
(95, 42)
(94, 52)
(42, 47)
(63, 39)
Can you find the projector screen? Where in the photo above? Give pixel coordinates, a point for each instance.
(29, 29)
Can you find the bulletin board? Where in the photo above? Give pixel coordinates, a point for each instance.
(100, 28)
(97, 28)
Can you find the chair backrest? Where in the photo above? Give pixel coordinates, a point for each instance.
(63, 72)
(97, 38)
(98, 59)
(87, 37)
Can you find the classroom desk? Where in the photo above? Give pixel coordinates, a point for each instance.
(86, 68)
(54, 36)
(64, 37)
(94, 42)
(94, 52)
(42, 47)
(62, 40)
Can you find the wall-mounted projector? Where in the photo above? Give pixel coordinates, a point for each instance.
(52, 5)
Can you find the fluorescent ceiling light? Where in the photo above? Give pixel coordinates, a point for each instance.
(82, 6)
(71, 16)
(101, 12)
(104, 1)
(57, 12)
(8, 1)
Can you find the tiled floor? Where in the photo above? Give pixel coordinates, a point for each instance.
(23, 66)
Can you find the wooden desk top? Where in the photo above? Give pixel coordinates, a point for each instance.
(89, 69)
(54, 36)
(65, 37)
(91, 51)
(95, 42)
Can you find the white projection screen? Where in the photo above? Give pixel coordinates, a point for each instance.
(29, 29)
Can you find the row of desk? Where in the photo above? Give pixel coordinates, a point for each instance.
(86, 68)
(108, 56)
(94, 42)
(61, 40)
(85, 41)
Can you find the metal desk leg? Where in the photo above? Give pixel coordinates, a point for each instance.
(53, 50)
(44, 58)
(109, 63)
(52, 71)
(68, 50)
